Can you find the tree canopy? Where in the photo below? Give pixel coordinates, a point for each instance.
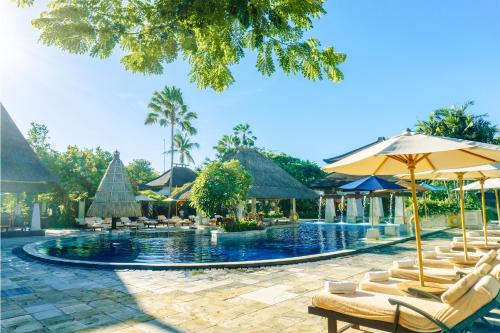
(458, 122)
(220, 185)
(140, 171)
(210, 36)
(242, 137)
(302, 170)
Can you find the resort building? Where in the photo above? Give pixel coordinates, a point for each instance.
(181, 175)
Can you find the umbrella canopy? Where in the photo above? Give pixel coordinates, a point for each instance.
(433, 187)
(114, 196)
(416, 153)
(489, 184)
(422, 152)
(408, 186)
(480, 172)
(143, 197)
(484, 171)
(371, 183)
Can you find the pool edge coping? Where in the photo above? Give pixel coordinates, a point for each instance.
(30, 250)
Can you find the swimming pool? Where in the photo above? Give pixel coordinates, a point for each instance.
(193, 246)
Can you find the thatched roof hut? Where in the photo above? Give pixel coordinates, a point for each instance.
(181, 176)
(114, 196)
(269, 180)
(21, 169)
(182, 193)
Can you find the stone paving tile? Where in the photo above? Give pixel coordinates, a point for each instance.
(39, 297)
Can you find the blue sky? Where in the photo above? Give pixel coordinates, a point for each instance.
(405, 59)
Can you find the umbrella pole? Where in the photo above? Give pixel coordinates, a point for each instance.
(481, 181)
(498, 205)
(411, 168)
(462, 213)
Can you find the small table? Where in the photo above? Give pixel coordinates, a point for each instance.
(429, 287)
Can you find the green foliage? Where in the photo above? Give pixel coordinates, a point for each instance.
(140, 171)
(168, 109)
(242, 226)
(152, 194)
(302, 170)
(210, 35)
(183, 146)
(242, 137)
(457, 122)
(220, 185)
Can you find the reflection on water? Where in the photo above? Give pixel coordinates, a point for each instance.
(193, 246)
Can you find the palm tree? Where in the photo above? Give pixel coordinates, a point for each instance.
(168, 110)
(183, 146)
(244, 135)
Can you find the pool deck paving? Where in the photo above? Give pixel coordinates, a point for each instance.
(43, 297)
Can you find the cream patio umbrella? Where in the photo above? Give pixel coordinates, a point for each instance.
(480, 173)
(411, 152)
(489, 184)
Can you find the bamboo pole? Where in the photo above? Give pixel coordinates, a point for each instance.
(481, 181)
(462, 213)
(411, 168)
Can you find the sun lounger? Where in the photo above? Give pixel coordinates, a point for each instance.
(393, 286)
(477, 239)
(407, 314)
(475, 245)
(162, 219)
(185, 222)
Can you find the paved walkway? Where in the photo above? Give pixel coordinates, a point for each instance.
(40, 297)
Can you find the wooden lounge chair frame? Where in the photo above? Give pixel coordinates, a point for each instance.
(355, 322)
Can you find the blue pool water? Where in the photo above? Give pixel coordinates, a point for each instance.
(185, 246)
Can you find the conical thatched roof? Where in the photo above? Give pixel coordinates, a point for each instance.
(114, 196)
(182, 175)
(269, 180)
(21, 169)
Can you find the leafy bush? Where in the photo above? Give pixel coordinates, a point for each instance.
(275, 214)
(243, 225)
(220, 185)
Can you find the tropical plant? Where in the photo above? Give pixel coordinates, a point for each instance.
(168, 110)
(221, 185)
(302, 170)
(210, 35)
(183, 146)
(140, 171)
(457, 122)
(242, 137)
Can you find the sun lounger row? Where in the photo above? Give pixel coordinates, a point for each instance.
(95, 223)
(383, 301)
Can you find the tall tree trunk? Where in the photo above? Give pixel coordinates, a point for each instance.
(172, 125)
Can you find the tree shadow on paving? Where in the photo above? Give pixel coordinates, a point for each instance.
(39, 296)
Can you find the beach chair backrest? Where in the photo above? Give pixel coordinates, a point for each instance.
(161, 218)
(487, 258)
(125, 219)
(460, 288)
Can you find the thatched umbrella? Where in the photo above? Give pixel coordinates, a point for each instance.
(114, 197)
(269, 180)
(22, 170)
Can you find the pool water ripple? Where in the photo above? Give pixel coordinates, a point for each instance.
(191, 246)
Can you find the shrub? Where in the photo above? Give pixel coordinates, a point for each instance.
(220, 185)
(243, 225)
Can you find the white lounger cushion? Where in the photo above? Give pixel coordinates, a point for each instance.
(437, 275)
(375, 306)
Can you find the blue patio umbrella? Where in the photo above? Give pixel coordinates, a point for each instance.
(433, 187)
(371, 184)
